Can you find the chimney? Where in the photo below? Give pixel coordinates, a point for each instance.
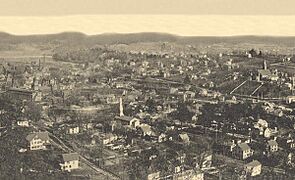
(121, 107)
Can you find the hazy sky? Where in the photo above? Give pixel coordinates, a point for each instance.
(70, 7)
(188, 25)
(182, 17)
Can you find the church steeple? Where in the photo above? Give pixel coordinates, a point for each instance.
(121, 107)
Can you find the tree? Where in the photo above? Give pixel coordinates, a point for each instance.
(253, 52)
(187, 79)
(183, 113)
(33, 111)
(151, 104)
(160, 126)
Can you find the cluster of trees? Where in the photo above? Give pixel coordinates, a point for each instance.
(12, 109)
(87, 54)
(229, 113)
(28, 165)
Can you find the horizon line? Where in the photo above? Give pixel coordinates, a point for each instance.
(143, 14)
(147, 32)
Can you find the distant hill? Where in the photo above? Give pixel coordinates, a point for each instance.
(76, 38)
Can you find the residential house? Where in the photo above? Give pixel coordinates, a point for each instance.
(162, 137)
(191, 174)
(290, 99)
(87, 126)
(290, 142)
(146, 129)
(207, 160)
(287, 142)
(23, 123)
(272, 146)
(242, 151)
(229, 146)
(253, 168)
(37, 96)
(73, 130)
(21, 94)
(109, 99)
(131, 122)
(268, 132)
(108, 138)
(70, 162)
(184, 138)
(261, 125)
(153, 175)
(38, 140)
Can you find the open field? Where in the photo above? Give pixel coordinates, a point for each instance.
(288, 67)
(247, 88)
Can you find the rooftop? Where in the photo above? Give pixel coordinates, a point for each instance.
(264, 72)
(70, 157)
(42, 135)
(272, 143)
(253, 164)
(244, 146)
(124, 118)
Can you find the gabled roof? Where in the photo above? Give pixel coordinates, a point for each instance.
(272, 143)
(145, 128)
(124, 118)
(42, 135)
(253, 164)
(244, 146)
(19, 90)
(70, 157)
(184, 137)
(264, 72)
(108, 136)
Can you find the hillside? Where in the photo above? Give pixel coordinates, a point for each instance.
(82, 39)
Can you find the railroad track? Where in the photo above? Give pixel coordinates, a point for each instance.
(64, 147)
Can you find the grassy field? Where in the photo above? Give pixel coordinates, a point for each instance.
(248, 88)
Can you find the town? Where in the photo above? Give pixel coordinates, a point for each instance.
(150, 111)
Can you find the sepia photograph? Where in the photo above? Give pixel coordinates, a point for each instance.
(147, 90)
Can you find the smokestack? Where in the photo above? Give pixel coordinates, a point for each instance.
(121, 107)
(264, 65)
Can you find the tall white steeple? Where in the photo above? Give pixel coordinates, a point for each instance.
(121, 107)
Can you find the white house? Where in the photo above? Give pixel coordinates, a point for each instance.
(23, 123)
(162, 137)
(190, 174)
(146, 130)
(73, 130)
(38, 140)
(70, 161)
(272, 146)
(153, 176)
(242, 151)
(290, 99)
(131, 122)
(253, 168)
(108, 138)
(128, 121)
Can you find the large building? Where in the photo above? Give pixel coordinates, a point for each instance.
(70, 162)
(20, 94)
(128, 121)
(38, 140)
(266, 74)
